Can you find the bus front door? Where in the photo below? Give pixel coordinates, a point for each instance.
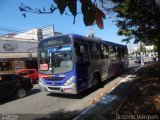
(82, 64)
(82, 77)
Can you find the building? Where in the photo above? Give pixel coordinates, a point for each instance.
(18, 51)
(149, 48)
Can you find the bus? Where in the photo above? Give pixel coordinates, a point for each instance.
(72, 63)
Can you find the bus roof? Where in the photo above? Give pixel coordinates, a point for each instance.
(81, 37)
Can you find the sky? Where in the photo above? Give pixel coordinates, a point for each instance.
(11, 18)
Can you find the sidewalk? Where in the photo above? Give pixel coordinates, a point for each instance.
(120, 100)
(145, 99)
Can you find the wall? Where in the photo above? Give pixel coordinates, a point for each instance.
(16, 46)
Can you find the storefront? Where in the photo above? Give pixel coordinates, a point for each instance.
(15, 61)
(17, 54)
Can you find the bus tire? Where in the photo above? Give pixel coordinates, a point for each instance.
(96, 82)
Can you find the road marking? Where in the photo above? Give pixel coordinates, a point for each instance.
(125, 79)
(113, 87)
(102, 100)
(108, 99)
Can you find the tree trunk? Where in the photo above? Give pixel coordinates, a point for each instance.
(158, 49)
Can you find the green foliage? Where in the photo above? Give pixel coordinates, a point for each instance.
(141, 48)
(91, 13)
(138, 19)
(155, 49)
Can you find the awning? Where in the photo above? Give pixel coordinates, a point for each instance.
(17, 55)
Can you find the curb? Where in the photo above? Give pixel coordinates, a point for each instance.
(123, 101)
(107, 102)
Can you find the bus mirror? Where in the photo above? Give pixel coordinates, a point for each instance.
(81, 49)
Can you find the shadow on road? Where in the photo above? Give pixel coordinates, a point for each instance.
(12, 98)
(58, 115)
(70, 96)
(33, 91)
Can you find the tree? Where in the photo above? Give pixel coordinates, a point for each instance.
(91, 12)
(139, 20)
(155, 49)
(141, 48)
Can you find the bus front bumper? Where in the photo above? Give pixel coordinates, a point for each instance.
(71, 89)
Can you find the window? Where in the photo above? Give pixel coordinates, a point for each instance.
(81, 51)
(4, 66)
(119, 55)
(7, 78)
(113, 52)
(1, 78)
(17, 77)
(104, 50)
(94, 50)
(31, 71)
(23, 73)
(123, 52)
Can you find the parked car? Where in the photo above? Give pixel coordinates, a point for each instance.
(137, 59)
(14, 85)
(32, 73)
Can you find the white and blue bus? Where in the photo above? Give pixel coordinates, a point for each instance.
(72, 63)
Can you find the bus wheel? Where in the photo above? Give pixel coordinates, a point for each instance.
(95, 82)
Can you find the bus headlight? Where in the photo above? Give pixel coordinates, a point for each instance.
(69, 81)
(41, 82)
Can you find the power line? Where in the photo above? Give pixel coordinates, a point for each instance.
(4, 31)
(10, 28)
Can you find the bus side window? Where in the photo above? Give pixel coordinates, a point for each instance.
(112, 52)
(104, 51)
(122, 53)
(119, 52)
(95, 51)
(81, 55)
(115, 51)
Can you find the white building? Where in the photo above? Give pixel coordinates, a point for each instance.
(17, 51)
(20, 51)
(149, 48)
(31, 34)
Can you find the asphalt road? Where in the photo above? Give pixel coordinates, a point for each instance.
(38, 102)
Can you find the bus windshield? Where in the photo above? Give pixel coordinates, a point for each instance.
(55, 56)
